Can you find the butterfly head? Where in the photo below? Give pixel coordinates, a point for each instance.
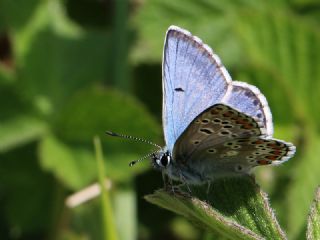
(161, 159)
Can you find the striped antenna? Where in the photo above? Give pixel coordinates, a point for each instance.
(137, 139)
(140, 159)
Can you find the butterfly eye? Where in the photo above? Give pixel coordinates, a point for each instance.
(164, 160)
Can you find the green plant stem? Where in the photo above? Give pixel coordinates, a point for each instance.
(108, 224)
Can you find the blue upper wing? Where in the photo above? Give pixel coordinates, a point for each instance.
(193, 80)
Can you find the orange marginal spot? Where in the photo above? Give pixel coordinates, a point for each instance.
(258, 142)
(276, 148)
(245, 119)
(247, 126)
(275, 145)
(272, 157)
(214, 112)
(277, 152)
(241, 120)
(263, 162)
(228, 114)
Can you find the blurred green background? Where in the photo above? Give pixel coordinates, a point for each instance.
(71, 69)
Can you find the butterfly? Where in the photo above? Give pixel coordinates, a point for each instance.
(213, 126)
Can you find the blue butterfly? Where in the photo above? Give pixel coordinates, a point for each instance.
(213, 126)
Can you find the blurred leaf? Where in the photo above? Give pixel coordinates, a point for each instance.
(74, 168)
(282, 49)
(95, 110)
(6, 75)
(70, 235)
(98, 14)
(54, 56)
(84, 220)
(210, 20)
(235, 208)
(54, 68)
(46, 16)
(214, 21)
(18, 122)
(26, 192)
(20, 130)
(285, 47)
(185, 229)
(313, 231)
(70, 154)
(305, 178)
(17, 13)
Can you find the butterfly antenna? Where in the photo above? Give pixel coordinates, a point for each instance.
(113, 134)
(140, 159)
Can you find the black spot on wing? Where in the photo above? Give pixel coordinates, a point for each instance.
(206, 130)
(179, 90)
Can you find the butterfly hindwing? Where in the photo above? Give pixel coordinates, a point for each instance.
(249, 100)
(213, 126)
(238, 156)
(222, 140)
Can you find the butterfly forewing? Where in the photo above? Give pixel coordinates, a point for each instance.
(193, 80)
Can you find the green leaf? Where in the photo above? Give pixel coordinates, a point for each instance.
(213, 21)
(49, 54)
(75, 169)
(84, 219)
(18, 122)
(54, 69)
(206, 19)
(27, 192)
(313, 230)
(304, 180)
(69, 153)
(234, 208)
(282, 49)
(284, 46)
(20, 130)
(17, 14)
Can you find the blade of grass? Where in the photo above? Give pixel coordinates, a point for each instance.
(108, 223)
(313, 229)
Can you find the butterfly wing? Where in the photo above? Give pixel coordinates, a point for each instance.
(193, 80)
(249, 100)
(222, 141)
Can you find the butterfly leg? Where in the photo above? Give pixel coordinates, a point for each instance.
(208, 187)
(167, 184)
(184, 183)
